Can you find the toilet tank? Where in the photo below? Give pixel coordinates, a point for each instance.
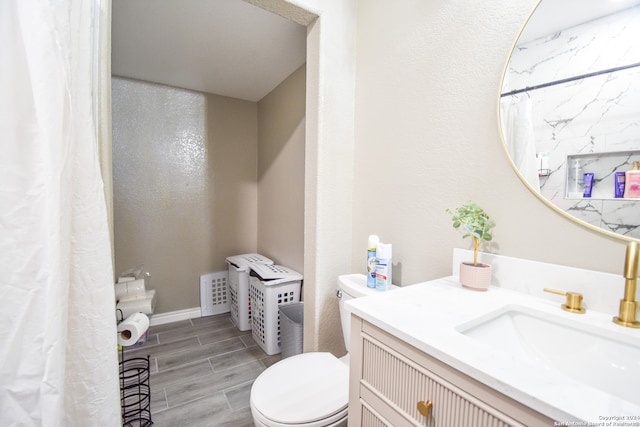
(352, 286)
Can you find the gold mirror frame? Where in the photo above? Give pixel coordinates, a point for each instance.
(515, 168)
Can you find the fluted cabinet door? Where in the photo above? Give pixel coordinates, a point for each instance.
(394, 384)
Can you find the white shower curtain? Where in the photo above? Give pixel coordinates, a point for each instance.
(58, 349)
(517, 129)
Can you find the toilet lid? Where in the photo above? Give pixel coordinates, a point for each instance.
(302, 389)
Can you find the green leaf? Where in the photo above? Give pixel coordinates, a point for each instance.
(472, 221)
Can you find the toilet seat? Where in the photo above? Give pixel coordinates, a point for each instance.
(338, 420)
(310, 389)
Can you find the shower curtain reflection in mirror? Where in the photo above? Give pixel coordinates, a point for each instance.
(517, 130)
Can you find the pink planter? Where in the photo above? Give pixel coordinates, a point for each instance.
(477, 277)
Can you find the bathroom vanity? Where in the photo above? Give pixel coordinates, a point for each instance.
(436, 354)
(395, 384)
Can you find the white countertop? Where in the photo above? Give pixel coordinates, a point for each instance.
(426, 315)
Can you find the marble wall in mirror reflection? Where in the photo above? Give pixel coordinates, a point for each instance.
(595, 118)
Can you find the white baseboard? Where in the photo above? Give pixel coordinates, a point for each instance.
(175, 316)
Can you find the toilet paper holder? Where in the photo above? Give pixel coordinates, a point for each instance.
(135, 390)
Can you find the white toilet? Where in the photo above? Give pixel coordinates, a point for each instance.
(310, 389)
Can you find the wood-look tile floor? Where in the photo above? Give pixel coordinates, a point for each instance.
(201, 372)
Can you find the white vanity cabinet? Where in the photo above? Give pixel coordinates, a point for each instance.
(390, 379)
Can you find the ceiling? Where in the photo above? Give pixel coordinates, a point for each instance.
(224, 47)
(233, 48)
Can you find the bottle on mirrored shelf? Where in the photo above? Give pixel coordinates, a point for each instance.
(632, 181)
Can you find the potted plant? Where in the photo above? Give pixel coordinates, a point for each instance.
(472, 221)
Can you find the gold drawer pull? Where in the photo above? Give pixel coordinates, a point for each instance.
(425, 407)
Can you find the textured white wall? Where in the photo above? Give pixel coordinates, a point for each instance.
(428, 78)
(426, 138)
(328, 166)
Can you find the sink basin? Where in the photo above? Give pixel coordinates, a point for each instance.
(589, 354)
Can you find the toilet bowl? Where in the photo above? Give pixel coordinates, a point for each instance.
(309, 389)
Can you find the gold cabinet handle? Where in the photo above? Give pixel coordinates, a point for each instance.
(425, 407)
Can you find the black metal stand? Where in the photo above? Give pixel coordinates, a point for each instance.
(135, 393)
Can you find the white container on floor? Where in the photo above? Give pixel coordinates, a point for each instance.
(239, 300)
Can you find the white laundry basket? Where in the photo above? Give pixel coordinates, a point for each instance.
(270, 287)
(239, 300)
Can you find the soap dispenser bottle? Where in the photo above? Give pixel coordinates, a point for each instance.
(372, 245)
(575, 184)
(632, 181)
(384, 267)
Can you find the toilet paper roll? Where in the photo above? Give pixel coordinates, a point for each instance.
(121, 290)
(134, 297)
(144, 305)
(132, 329)
(130, 288)
(137, 287)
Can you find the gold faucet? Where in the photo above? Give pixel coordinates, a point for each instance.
(629, 306)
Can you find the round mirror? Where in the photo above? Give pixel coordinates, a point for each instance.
(569, 109)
